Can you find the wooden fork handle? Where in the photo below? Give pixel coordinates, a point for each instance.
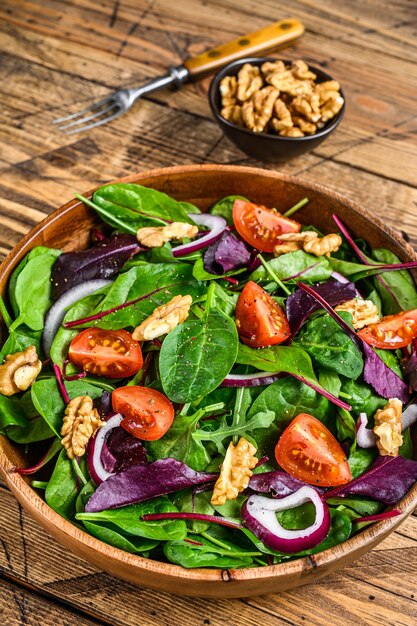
(272, 36)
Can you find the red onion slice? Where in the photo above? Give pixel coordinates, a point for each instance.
(57, 312)
(251, 380)
(95, 446)
(259, 515)
(340, 278)
(215, 223)
(366, 438)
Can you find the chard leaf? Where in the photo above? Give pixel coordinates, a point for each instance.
(296, 266)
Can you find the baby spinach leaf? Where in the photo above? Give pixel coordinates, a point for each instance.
(361, 459)
(11, 414)
(224, 208)
(186, 500)
(197, 355)
(345, 425)
(179, 444)
(32, 289)
(362, 506)
(296, 266)
(35, 430)
(330, 380)
(129, 520)
(407, 448)
(19, 340)
(362, 397)
(225, 431)
(62, 490)
(397, 290)
(114, 538)
(330, 346)
(137, 206)
(206, 554)
(48, 401)
(389, 357)
(152, 285)
(290, 359)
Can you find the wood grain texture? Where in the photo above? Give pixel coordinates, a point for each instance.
(56, 55)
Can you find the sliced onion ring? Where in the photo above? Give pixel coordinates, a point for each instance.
(215, 223)
(259, 515)
(251, 380)
(366, 438)
(57, 312)
(95, 446)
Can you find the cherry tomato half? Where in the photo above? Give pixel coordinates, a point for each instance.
(260, 320)
(308, 451)
(392, 331)
(108, 353)
(147, 413)
(261, 227)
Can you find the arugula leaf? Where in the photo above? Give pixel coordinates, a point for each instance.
(225, 431)
(179, 444)
(330, 346)
(197, 355)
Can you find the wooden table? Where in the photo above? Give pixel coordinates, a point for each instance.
(57, 54)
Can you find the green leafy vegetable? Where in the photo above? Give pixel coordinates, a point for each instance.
(224, 208)
(197, 355)
(62, 490)
(298, 266)
(204, 553)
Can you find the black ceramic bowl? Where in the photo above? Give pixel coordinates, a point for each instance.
(264, 146)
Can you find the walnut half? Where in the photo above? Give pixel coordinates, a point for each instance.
(19, 371)
(81, 422)
(164, 319)
(364, 312)
(235, 472)
(156, 236)
(388, 428)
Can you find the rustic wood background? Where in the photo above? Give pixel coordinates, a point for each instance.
(56, 55)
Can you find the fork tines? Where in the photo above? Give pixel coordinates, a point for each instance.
(76, 122)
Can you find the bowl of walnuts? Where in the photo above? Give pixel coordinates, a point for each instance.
(275, 110)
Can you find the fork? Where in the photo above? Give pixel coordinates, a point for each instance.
(277, 34)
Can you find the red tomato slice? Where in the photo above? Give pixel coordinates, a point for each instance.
(108, 353)
(260, 320)
(308, 451)
(392, 331)
(261, 227)
(147, 413)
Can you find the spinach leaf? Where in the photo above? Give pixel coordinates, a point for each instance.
(20, 339)
(224, 208)
(330, 346)
(62, 490)
(179, 444)
(129, 520)
(407, 448)
(136, 206)
(361, 460)
(390, 358)
(225, 431)
(362, 506)
(32, 289)
(35, 430)
(114, 538)
(151, 285)
(187, 501)
(11, 414)
(290, 359)
(362, 397)
(197, 355)
(397, 289)
(330, 380)
(206, 554)
(286, 398)
(296, 265)
(345, 425)
(48, 401)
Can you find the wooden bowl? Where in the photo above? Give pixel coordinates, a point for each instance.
(68, 228)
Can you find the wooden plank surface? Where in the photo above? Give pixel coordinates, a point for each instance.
(58, 55)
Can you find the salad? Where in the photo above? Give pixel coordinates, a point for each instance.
(226, 389)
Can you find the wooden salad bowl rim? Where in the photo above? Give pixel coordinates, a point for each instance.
(165, 576)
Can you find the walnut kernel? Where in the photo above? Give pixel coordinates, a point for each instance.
(249, 80)
(19, 371)
(364, 312)
(235, 472)
(156, 236)
(388, 428)
(164, 319)
(81, 422)
(323, 246)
